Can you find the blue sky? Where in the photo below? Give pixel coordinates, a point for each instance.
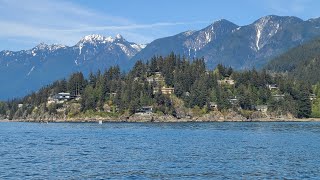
(24, 24)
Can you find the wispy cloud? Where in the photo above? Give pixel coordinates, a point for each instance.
(65, 22)
(288, 7)
(131, 26)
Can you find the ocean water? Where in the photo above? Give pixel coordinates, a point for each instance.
(250, 150)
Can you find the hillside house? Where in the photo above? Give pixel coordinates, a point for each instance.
(155, 79)
(163, 90)
(262, 108)
(157, 74)
(167, 90)
(312, 97)
(144, 110)
(213, 106)
(278, 97)
(226, 81)
(61, 98)
(272, 87)
(233, 101)
(112, 95)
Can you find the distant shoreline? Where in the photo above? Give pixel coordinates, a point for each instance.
(164, 121)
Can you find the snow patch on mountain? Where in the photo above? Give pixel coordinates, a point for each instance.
(8, 53)
(138, 47)
(33, 53)
(266, 28)
(30, 70)
(208, 37)
(258, 38)
(125, 50)
(80, 48)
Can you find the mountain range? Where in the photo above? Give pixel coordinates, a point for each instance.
(28, 70)
(241, 47)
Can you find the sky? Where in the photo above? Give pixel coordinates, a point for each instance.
(24, 24)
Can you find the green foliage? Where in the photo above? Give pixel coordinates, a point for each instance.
(302, 62)
(194, 87)
(3, 108)
(199, 93)
(304, 108)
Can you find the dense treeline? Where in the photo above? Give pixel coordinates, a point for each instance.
(302, 62)
(194, 86)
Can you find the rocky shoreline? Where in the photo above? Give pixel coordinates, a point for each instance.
(168, 119)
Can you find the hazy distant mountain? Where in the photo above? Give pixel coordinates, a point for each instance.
(238, 46)
(27, 70)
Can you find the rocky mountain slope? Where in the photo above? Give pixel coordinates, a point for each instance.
(241, 47)
(28, 70)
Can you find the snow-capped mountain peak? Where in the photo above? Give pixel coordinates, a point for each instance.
(90, 45)
(41, 46)
(196, 40)
(118, 36)
(95, 38)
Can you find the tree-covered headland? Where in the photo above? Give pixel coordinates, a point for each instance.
(172, 86)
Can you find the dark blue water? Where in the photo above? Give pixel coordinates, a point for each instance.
(161, 151)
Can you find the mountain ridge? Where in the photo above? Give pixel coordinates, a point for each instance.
(28, 70)
(222, 42)
(241, 47)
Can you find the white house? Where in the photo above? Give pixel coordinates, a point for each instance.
(262, 108)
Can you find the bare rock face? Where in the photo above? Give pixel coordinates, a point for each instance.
(258, 115)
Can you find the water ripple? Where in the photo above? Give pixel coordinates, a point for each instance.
(248, 150)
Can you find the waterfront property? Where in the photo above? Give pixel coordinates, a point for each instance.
(262, 108)
(213, 106)
(144, 110)
(61, 98)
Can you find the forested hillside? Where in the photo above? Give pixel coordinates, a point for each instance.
(169, 85)
(302, 62)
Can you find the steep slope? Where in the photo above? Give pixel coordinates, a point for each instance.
(302, 62)
(28, 70)
(241, 47)
(187, 43)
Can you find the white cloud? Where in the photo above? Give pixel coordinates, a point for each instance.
(65, 22)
